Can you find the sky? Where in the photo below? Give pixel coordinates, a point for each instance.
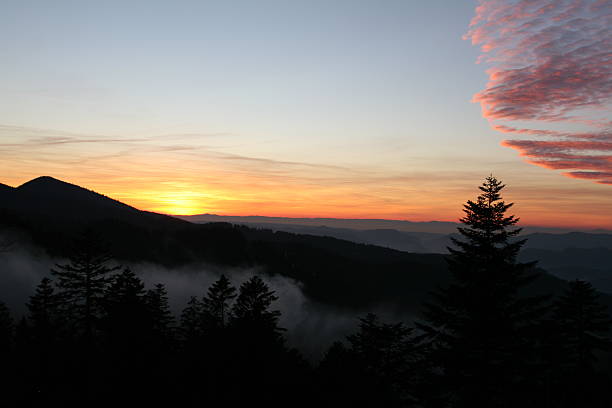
(349, 109)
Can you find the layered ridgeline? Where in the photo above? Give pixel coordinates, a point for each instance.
(562, 252)
(471, 329)
(48, 213)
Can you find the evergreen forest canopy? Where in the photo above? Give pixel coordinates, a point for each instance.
(489, 337)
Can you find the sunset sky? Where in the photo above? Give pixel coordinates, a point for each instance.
(351, 109)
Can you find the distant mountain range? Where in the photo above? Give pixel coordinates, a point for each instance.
(567, 255)
(347, 273)
(436, 227)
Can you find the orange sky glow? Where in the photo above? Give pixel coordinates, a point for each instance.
(186, 180)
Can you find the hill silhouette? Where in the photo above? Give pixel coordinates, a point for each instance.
(50, 197)
(332, 271)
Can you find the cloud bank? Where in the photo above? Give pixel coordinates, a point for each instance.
(550, 63)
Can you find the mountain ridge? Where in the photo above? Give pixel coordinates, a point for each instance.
(333, 271)
(440, 227)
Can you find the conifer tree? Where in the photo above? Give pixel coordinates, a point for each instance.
(126, 327)
(124, 303)
(191, 322)
(7, 361)
(6, 330)
(582, 325)
(251, 311)
(82, 282)
(260, 361)
(580, 329)
(387, 353)
(216, 304)
(480, 329)
(45, 333)
(43, 309)
(377, 368)
(162, 318)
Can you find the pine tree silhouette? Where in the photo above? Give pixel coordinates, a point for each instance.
(480, 329)
(251, 311)
(583, 324)
(580, 328)
(43, 310)
(191, 321)
(83, 281)
(192, 351)
(81, 288)
(126, 313)
(6, 330)
(259, 353)
(216, 304)
(377, 368)
(7, 375)
(45, 337)
(216, 347)
(127, 328)
(387, 353)
(162, 318)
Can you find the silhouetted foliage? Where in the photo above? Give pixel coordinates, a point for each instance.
(82, 282)
(6, 328)
(579, 329)
(251, 311)
(43, 337)
(216, 304)
(191, 321)
(162, 318)
(481, 331)
(96, 337)
(583, 324)
(43, 308)
(126, 315)
(6, 350)
(380, 366)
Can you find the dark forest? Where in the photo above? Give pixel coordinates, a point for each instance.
(497, 333)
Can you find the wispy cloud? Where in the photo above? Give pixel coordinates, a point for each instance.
(550, 63)
(185, 174)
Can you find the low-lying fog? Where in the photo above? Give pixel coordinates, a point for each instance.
(311, 326)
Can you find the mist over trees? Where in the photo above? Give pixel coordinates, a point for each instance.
(93, 335)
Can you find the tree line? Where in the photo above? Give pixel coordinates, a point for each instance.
(93, 335)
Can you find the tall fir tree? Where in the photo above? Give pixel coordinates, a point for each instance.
(481, 331)
(81, 287)
(191, 327)
(377, 368)
(251, 311)
(43, 309)
(45, 336)
(387, 354)
(579, 330)
(260, 358)
(216, 348)
(162, 318)
(161, 346)
(216, 304)
(6, 330)
(83, 281)
(126, 313)
(582, 325)
(8, 363)
(126, 326)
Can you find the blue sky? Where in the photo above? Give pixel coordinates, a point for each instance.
(379, 87)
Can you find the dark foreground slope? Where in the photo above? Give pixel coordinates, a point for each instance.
(342, 273)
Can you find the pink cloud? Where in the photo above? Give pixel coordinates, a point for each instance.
(550, 62)
(600, 177)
